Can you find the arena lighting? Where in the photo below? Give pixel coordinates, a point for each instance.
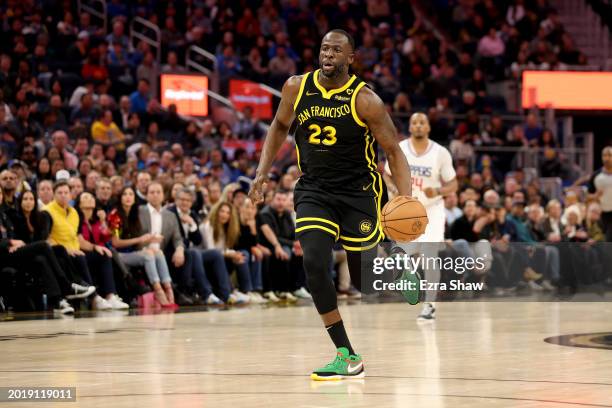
(567, 90)
(188, 92)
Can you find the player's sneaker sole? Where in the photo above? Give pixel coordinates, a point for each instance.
(336, 377)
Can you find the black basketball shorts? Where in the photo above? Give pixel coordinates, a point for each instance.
(351, 217)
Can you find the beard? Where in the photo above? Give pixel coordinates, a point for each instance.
(337, 71)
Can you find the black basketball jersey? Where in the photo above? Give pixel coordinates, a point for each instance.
(335, 148)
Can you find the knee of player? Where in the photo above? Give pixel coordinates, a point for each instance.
(315, 263)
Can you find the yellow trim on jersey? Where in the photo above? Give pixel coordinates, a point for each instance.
(377, 200)
(374, 173)
(365, 248)
(320, 220)
(328, 94)
(373, 154)
(297, 149)
(295, 104)
(380, 187)
(313, 226)
(353, 109)
(378, 209)
(302, 84)
(367, 148)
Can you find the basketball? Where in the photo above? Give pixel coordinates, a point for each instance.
(404, 219)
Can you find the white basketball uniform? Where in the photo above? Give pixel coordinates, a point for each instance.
(431, 168)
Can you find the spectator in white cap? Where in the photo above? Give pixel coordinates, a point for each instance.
(62, 175)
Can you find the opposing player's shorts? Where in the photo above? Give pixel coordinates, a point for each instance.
(351, 217)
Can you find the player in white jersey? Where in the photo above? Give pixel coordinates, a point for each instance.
(433, 177)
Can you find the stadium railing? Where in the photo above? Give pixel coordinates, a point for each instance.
(144, 30)
(196, 57)
(96, 8)
(578, 161)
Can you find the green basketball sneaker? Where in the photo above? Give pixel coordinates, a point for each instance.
(343, 366)
(410, 281)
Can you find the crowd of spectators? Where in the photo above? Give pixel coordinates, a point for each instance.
(267, 41)
(117, 196)
(508, 36)
(59, 70)
(82, 237)
(536, 241)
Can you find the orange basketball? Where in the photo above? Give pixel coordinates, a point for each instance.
(404, 219)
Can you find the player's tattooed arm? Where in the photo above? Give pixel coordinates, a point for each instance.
(276, 135)
(371, 109)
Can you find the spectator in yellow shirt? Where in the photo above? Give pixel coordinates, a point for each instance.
(105, 132)
(64, 232)
(65, 220)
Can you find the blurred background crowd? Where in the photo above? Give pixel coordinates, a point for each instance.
(159, 200)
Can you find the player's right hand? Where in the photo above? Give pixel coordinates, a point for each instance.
(256, 192)
(430, 192)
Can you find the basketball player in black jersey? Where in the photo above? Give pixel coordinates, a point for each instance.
(338, 197)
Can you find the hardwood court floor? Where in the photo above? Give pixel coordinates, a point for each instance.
(475, 355)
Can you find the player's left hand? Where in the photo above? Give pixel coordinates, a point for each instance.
(430, 192)
(256, 192)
